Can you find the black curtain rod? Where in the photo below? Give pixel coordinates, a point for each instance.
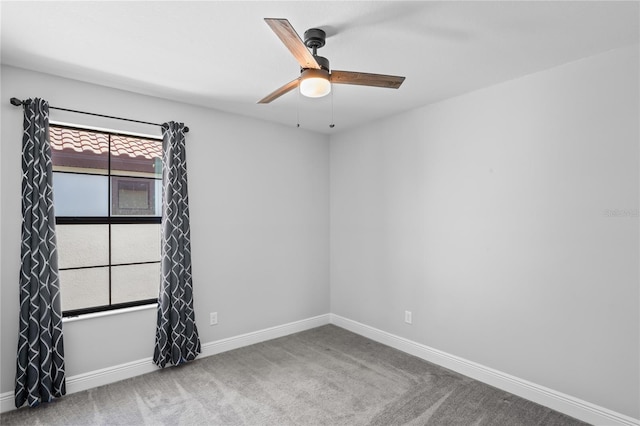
(18, 102)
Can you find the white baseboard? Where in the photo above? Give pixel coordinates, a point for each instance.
(116, 373)
(6, 402)
(247, 339)
(558, 401)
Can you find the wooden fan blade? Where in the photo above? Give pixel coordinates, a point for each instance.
(293, 42)
(366, 79)
(279, 92)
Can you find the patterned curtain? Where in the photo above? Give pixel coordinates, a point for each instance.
(40, 373)
(176, 334)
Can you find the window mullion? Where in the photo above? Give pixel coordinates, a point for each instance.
(109, 207)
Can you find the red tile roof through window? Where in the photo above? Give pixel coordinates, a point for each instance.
(98, 143)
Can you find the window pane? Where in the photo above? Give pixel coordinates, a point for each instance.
(131, 156)
(82, 245)
(84, 288)
(80, 195)
(134, 197)
(79, 150)
(135, 282)
(135, 243)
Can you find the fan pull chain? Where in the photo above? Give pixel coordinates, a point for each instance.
(298, 110)
(332, 125)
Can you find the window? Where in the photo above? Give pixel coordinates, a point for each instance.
(107, 200)
(132, 197)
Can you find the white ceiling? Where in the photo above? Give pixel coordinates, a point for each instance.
(223, 55)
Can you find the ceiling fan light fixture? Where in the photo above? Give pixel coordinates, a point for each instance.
(315, 83)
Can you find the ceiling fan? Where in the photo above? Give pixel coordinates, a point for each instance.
(315, 75)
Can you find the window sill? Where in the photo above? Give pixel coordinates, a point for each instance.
(108, 313)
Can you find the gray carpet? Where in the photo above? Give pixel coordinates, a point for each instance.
(324, 376)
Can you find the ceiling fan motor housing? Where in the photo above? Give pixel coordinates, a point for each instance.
(314, 38)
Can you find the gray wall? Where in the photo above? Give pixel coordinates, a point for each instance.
(259, 211)
(487, 216)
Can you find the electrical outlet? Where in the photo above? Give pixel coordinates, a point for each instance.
(407, 317)
(213, 318)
